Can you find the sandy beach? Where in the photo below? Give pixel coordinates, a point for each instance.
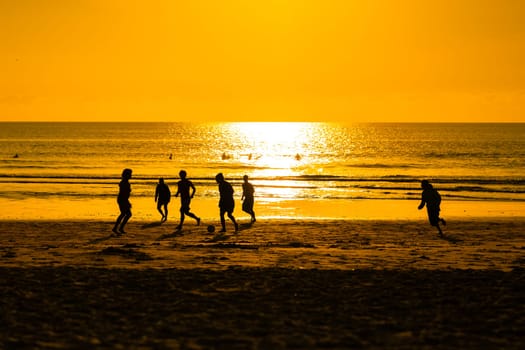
(278, 284)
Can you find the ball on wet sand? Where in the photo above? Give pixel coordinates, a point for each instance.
(211, 228)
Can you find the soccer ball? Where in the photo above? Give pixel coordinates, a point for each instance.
(211, 228)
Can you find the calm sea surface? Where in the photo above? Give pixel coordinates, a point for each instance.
(317, 161)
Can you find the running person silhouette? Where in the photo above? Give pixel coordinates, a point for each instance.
(183, 188)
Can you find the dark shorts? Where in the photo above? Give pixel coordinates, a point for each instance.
(247, 205)
(433, 216)
(227, 205)
(185, 204)
(124, 206)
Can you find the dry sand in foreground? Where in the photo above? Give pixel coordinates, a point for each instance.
(275, 285)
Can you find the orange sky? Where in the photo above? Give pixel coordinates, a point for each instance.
(268, 60)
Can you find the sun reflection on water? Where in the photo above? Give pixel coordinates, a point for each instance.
(271, 150)
(276, 148)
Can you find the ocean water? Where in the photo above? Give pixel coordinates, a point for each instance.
(285, 161)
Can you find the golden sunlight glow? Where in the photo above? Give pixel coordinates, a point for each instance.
(262, 60)
(270, 136)
(277, 149)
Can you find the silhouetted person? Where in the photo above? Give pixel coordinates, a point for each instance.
(183, 188)
(226, 201)
(162, 197)
(123, 202)
(247, 198)
(432, 199)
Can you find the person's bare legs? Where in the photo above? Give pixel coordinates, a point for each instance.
(121, 222)
(223, 222)
(159, 208)
(117, 223)
(124, 221)
(181, 221)
(232, 218)
(439, 230)
(191, 215)
(165, 211)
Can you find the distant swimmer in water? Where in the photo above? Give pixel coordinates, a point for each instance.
(123, 202)
(432, 199)
(162, 197)
(171, 156)
(15, 156)
(247, 198)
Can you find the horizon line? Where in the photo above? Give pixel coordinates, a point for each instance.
(255, 121)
